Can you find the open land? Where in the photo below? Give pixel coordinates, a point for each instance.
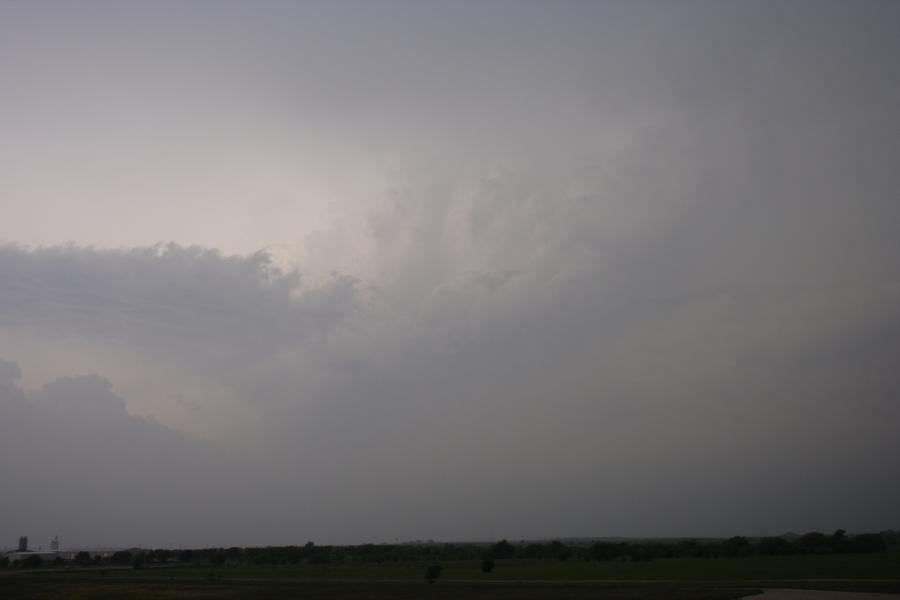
(686, 578)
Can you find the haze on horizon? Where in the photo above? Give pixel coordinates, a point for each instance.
(273, 272)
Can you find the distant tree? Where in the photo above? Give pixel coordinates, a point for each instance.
(867, 542)
(315, 555)
(234, 553)
(32, 561)
(433, 572)
(503, 549)
(890, 538)
(186, 556)
(773, 546)
(603, 551)
(4, 562)
(560, 550)
(838, 541)
(487, 564)
(121, 557)
(812, 542)
(138, 561)
(735, 546)
(217, 558)
(160, 555)
(83, 558)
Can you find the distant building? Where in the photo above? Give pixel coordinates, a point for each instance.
(45, 556)
(24, 553)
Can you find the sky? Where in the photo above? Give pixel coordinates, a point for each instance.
(276, 272)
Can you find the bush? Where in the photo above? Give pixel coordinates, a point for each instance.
(433, 572)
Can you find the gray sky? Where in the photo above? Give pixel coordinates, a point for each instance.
(273, 272)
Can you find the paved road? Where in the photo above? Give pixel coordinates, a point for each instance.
(820, 595)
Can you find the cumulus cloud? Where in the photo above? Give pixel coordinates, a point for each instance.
(194, 302)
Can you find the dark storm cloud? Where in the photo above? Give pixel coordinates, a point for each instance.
(193, 303)
(558, 380)
(74, 463)
(639, 277)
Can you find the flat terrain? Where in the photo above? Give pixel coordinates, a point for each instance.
(678, 579)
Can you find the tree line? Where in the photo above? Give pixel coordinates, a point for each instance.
(488, 553)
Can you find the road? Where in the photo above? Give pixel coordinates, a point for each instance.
(770, 594)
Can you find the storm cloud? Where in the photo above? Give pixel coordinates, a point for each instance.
(590, 269)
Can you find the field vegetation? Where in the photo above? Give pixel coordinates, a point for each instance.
(613, 569)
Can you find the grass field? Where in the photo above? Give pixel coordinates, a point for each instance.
(885, 565)
(307, 590)
(680, 579)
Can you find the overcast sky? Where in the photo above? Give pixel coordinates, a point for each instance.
(273, 272)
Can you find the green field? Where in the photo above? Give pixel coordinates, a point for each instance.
(687, 579)
(884, 565)
(136, 589)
